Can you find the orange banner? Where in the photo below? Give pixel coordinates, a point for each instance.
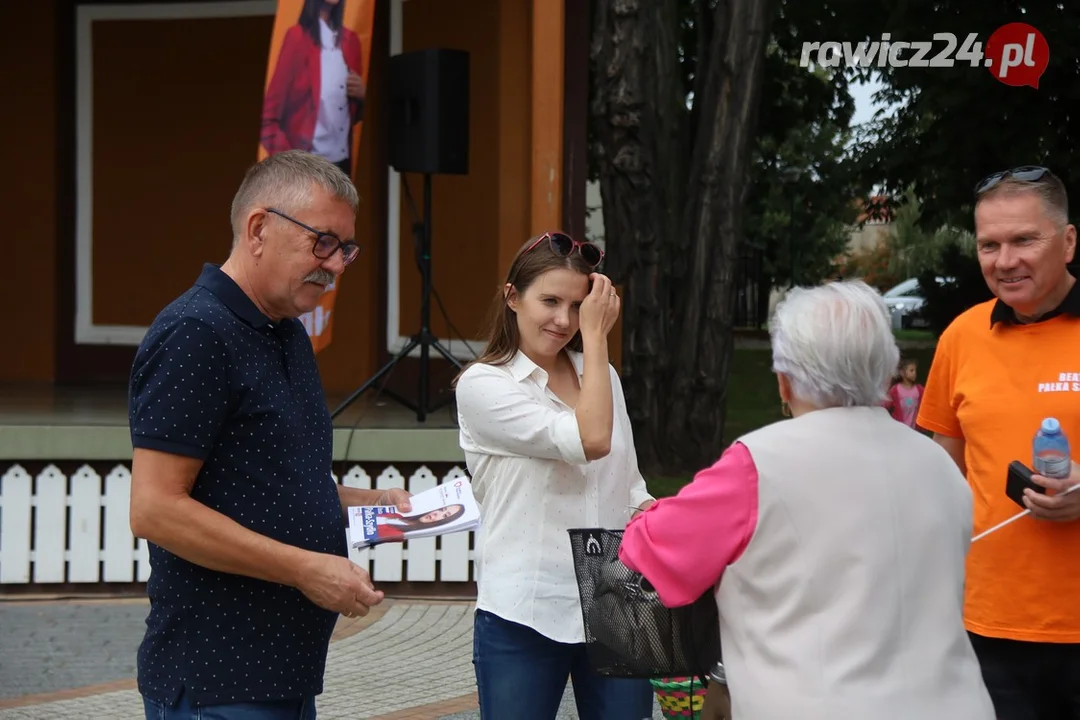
(316, 83)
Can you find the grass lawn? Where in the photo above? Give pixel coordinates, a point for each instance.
(753, 400)
(914, 335)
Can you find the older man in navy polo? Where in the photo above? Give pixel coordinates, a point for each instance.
(231, 475)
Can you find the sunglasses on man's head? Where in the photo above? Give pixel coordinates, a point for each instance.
(1024, 173)
(563, 245)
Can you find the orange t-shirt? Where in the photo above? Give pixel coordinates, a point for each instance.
(993, 387)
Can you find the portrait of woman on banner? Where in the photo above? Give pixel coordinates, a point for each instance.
(393, 526)
(316, 93)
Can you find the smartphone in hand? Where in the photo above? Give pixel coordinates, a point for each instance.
(1019, 477)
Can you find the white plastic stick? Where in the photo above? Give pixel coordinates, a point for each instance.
(1000, 525)
(1015, 517)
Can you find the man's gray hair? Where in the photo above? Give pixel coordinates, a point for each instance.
(835, 344)
(284, 181)
(1049, 189)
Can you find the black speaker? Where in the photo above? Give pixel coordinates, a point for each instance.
(429, 112)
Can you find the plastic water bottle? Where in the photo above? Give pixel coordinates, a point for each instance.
(1051, 449)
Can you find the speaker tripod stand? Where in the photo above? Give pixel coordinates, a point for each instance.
(424, 339)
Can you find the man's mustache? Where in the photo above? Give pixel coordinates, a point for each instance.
(320, 276)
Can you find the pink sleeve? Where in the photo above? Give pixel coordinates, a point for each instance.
(682, 544)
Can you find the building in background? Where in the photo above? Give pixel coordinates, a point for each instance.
(145, 116)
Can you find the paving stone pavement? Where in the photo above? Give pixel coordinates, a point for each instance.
(416, 654)
(567, 710)
(67, 645)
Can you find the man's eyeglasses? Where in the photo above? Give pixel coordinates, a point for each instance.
(563, 245)
(326, 244)
(1024, 173)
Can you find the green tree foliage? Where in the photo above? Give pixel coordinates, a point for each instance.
(956, 125)
(803, 186)
(874, 266)
(915, 249)
(959, 124)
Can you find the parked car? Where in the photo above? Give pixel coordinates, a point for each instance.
(905, 303)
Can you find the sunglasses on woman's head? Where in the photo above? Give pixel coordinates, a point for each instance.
(1024, 173)
(563, 245)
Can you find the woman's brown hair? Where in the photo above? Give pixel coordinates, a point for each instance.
(413, 522)
(502, 334)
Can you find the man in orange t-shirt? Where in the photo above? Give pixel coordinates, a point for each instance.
(999, 369)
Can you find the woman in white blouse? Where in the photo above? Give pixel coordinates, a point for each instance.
(548, 443)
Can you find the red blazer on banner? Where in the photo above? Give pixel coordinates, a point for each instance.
(293, 94)
(390, 532)
(291, 104)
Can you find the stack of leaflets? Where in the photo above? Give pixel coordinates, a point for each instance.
(447, 508)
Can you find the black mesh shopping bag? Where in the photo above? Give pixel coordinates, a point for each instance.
(628, 632)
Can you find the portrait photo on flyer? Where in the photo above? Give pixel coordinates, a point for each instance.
(447, 508)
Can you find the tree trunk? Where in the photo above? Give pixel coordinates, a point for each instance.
(639, 147)
(673, 184)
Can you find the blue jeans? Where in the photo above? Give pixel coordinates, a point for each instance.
(303, 709)
(521, 675)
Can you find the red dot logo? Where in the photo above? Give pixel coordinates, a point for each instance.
(1017, 54)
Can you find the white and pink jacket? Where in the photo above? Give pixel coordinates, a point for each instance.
(836, 544)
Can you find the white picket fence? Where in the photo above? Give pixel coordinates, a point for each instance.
(56, 529)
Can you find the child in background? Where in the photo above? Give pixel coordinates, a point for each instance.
(905, 394)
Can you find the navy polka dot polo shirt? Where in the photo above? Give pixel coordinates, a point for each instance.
(215, 379)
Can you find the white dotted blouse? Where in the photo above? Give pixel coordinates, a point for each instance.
(529, 474)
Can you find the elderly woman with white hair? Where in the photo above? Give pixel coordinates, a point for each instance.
(835, 541)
